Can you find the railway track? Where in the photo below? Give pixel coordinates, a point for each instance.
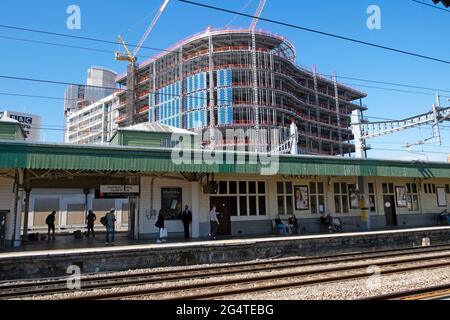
(115, 286)
(441, 292)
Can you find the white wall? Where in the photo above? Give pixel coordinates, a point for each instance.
(146, 220)
(7, 203)
(200, 203)
(71, 196)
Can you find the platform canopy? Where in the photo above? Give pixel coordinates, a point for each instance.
(40, 156)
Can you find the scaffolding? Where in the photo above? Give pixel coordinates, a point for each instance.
(242, 79)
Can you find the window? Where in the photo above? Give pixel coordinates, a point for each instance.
(168, 143)
(372, 198)
(233, 187)
(243, 206)
(412, 196)
(223, 187)
(341, 198)
(252, 205)
(429, 188)
(317, 191)
(251, 196)
(242, 187)
(285, 204)
(252, 187)
(388, 188)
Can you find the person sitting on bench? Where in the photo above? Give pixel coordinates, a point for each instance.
(293, 225)
(280, 225)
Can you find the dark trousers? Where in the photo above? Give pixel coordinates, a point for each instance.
(186, 229)
(90, 228)
(110, 234)
(51, 227)
(213, 229)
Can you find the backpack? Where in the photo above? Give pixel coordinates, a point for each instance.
(49, 219)
(103, 221)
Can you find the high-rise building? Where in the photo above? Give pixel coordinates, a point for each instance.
(72, 96)
(93, 124)
(235, 78)
(99, 85)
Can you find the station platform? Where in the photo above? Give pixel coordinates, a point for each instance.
(52, 258)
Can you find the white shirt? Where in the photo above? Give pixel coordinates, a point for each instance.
(213, 215)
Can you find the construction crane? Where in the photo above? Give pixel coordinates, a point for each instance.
(366, 130)
(262, 4)
(131, 57)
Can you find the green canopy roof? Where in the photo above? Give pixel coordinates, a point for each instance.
(25, 155)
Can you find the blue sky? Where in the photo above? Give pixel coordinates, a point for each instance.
(405, 25)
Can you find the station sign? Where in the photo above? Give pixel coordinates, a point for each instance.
(116, 191)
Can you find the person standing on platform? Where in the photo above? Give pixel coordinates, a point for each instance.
(110, 227)
(214, 223)
(161, 226)
(50, 221)
(186, 217)
(90, 221)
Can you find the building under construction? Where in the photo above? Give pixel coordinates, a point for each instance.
(241, 79)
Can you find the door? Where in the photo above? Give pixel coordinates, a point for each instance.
(131, 218)
(390, 211)
(225, 207)
(2, 227)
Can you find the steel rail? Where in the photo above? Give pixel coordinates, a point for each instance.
(427, 293)
(48, 286)
(259, 283)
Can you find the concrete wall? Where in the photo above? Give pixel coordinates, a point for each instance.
(92, 260)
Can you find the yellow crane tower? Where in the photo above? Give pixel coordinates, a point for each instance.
(131, 57)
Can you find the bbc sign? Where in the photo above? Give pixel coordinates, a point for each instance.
(31, 124)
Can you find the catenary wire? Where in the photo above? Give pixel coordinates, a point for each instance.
(430, 5)
(336, 36)
(159, 49)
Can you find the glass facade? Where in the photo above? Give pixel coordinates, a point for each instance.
(165, 106)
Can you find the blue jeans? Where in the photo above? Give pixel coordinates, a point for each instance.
(110, 233)
(282, 229)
